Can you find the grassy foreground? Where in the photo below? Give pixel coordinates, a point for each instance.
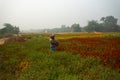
(31, 59)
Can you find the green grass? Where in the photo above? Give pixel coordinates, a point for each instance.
(113, 35)
(33, 60)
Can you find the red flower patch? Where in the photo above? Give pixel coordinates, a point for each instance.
(19, 40)
(108, 49)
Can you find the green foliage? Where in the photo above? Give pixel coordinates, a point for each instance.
(112, 35)
(9, 29)
(110, 20)
(75, 28)
(33, 60)
(110, 23)
(93, 26)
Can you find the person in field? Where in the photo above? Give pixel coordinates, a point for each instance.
(53, 42)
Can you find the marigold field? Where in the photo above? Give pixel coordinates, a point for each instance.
(79, 56)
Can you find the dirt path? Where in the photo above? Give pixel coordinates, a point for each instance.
(2, 41)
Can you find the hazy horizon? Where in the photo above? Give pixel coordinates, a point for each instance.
(39, 14)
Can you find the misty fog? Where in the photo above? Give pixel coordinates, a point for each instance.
(40, 14)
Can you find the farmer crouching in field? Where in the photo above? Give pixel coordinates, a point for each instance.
(53, 42)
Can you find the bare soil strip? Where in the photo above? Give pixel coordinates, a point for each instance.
(2, 41)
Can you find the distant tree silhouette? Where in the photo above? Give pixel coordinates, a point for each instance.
(110, 23)
(9, 29)
(75, 28)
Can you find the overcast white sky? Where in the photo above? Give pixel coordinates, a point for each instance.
(39, 14)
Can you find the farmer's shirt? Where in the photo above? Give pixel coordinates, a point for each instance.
(52, 43)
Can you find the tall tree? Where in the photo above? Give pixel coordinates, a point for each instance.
(9, 29)
(75, 28)
(109, 23)
(92, 26)
(16, 30)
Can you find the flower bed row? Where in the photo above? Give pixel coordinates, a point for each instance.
(108, 49)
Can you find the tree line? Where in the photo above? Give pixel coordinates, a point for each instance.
(74, 28)
(106, 24)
